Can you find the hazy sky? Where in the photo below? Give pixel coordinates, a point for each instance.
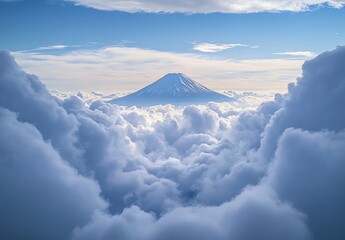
(124, 45)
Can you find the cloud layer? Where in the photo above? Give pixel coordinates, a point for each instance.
(70, 170)
(207, 6)
(107, 68)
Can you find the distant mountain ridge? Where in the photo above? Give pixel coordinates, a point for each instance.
(173, 88)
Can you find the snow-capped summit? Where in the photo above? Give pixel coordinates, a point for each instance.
(173, 84)
(173, 88)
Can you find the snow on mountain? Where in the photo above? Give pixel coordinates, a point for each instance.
(173, 88)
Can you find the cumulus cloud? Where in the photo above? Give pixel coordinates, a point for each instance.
(315, 160)
(42, 196)
(26, 95)
(304, 107)
(215, 47)
(207, 6)
(228, 221)
(78, 169)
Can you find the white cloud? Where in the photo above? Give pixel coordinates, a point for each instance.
(52, 47)
(215, 47)
(163, 172)
(207, 6)
(306, 54)
(112, 69)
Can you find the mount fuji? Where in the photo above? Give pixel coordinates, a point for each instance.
(173, 88)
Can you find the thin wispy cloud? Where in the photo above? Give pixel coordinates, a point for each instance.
(47, 48)
(215, 47)
(53, 47)
(305, 54)
(208, 6)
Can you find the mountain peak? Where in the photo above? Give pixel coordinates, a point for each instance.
(173, 74)
(174, 84)
(172, 88)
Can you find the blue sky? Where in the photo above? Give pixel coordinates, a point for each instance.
(58, 29)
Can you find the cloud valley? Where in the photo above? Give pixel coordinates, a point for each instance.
(76, 170)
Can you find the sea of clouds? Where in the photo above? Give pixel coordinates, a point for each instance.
(72, 167)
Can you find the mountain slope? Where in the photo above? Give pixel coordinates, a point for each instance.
(173, 88)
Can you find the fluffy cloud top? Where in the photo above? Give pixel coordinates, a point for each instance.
(70, 170)
(36, 181)
(207, 6)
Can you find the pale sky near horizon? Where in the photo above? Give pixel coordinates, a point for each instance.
(108, 46)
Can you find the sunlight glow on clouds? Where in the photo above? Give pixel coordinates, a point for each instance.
(124, 68)
(208, 6)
